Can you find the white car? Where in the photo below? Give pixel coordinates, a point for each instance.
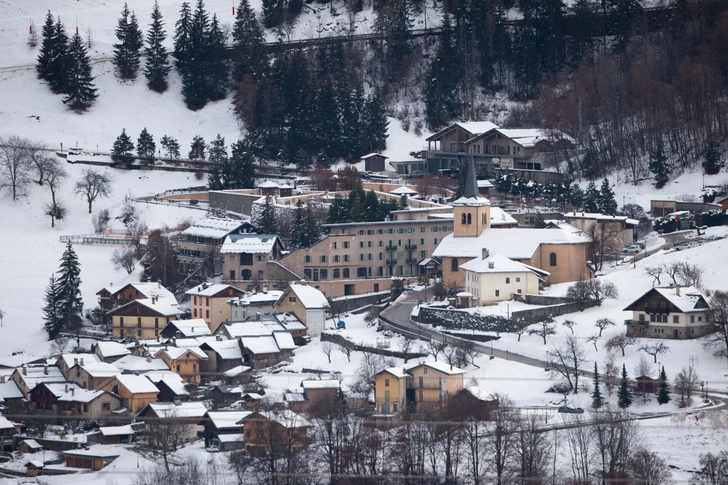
(631, 249)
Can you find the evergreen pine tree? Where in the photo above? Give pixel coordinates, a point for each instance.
(51, 310)
(171, 146)
(298, 231)
(182, 29)
(220, 176)
(145, 145)
(374, 125)
(122, 148)
(606, 201)
(659, 166)
(624, 394)
(267, 222)
(442, 80)
(80, 90)
(711, 158)
(241, 159)
(197, 149)
(311, 226)
(156, 66)
(47, 48)
(59, 63)
(70, 305)
(131, 40)
(663, 391)
(218, 70)
(195, 87)
(596, 395)
(462, 178)
(249, 56)
(590, 200)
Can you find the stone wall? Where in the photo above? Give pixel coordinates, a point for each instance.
(339, 340)
(350, 303)
(233, 202)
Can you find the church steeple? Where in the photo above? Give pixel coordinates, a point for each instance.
(472, 212)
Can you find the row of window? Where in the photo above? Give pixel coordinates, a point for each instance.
(401, 230)
(246, 259)
(190, 253)
(662, 318)
(317, 274)
(495, 149)
(138, 322)
(200, 301)
(246, 275)
(194, 313)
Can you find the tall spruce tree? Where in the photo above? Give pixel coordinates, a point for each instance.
(131, 40)
(52, 308)
(658, 165)
(442, 80)
(248, 55)
(298, 230)
(606, 202)
(218, 69)
(145, 145)
(59, 64)
(182, 30)
(156, 66)
(663, 390)
(122, 148)
(70, 304)
(711, 158)
(590, 202)
(597, 400)
(624, 393)
(47, 48)
(374, 125)
(267, 222)
(195, 86)
(80, 90)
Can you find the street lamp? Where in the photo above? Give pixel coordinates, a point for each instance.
(547, 360)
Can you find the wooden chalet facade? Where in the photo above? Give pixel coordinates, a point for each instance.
(671, 313)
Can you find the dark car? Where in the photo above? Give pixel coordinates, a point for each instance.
(567, 409)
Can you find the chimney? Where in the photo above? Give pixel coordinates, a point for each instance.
(2, 379)
(677, 290)
(177, 402)
(75, 360)
(25, 370)
(81, 360)
(257, 316)
(73, 391)
(45, 369)
(218, 338)
(66, 387)
(486, 253)
(159, 284)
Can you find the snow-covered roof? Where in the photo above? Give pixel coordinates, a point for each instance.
(111, 349)
(686, 300)
(5, 423)
(495, 263)
(209, 290)
(294, 397)
(32, 444)
(227, 419)
(600, 217)
(230, 437)
(191, 328)
(259, 298)
(99, 369)
(252, 328)
(370, 155)
(150, 289)
(116, 430)
(477, 201)
(485, 184)
(181, 410)
(321, 384)
(166, 308)
(212, 227)
(236, 371)
(137, 384)
(249, 243)
(226, 349)
(284, 340)
(499, 217)
(464, 294)
(286, 418)
(403, 191)
(268, 184)
(9, 390)
(289, 321)
(309, 296)
(473, 127)
(175, 353)
(81, 395)
(479, 393)
(59, 389)
(260, 345)
(516, 243)
(171, 379)
(134, 363)
(35, 375)
(100, 451)
(69, 360)
(439, 366)
(396, 372)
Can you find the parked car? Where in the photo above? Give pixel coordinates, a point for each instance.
(633, 249)
(416, 174)
(567, 409)
(683, 246)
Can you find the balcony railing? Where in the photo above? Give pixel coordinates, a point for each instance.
(411, 260)
(391, 260)
(411, 246)
(391, 247)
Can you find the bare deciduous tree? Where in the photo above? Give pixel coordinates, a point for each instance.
(101, 220)
(615, 439)
(166, 433)
(435, 348)
(656, 349)
(93, 185)
(655, 272)
(602, 290)
(15, 165)
(346, 350)
(566, 360)
(648, 468)
(544, 328)
(593, 340)
(603, 323)
(124, 259)
(619, 341)
(570, 324)
(685, 385)
(327, 347)
(717, 342)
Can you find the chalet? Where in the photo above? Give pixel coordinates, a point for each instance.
(188, 413)
(29, 446)
(171, 386)
(222, 429)
(280, 429)
(90, 375)
(143, 318)
(69, 399)
(222, 355)
(27, 377)
(252, 304)
(237, 375)
(135, 391)
(246, 256)
(561, 250)
(226, 395)
(184, 361)
(307, 303)
(317, 394)
(66, 361)
(493, 277)
(446, 149)
(134, 364)
(10, 395)
(114, 435)
(8, 429)
(196, 327)
(673, 313)
(110, 351)
(202, 240)
(209, 302)
(93, 459)
(109, 299)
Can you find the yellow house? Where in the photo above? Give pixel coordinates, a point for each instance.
(209, 302)
(135, 391)
(390, 391)
(495, 278)
(433, 383)
(183, 361)
(143, 319)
